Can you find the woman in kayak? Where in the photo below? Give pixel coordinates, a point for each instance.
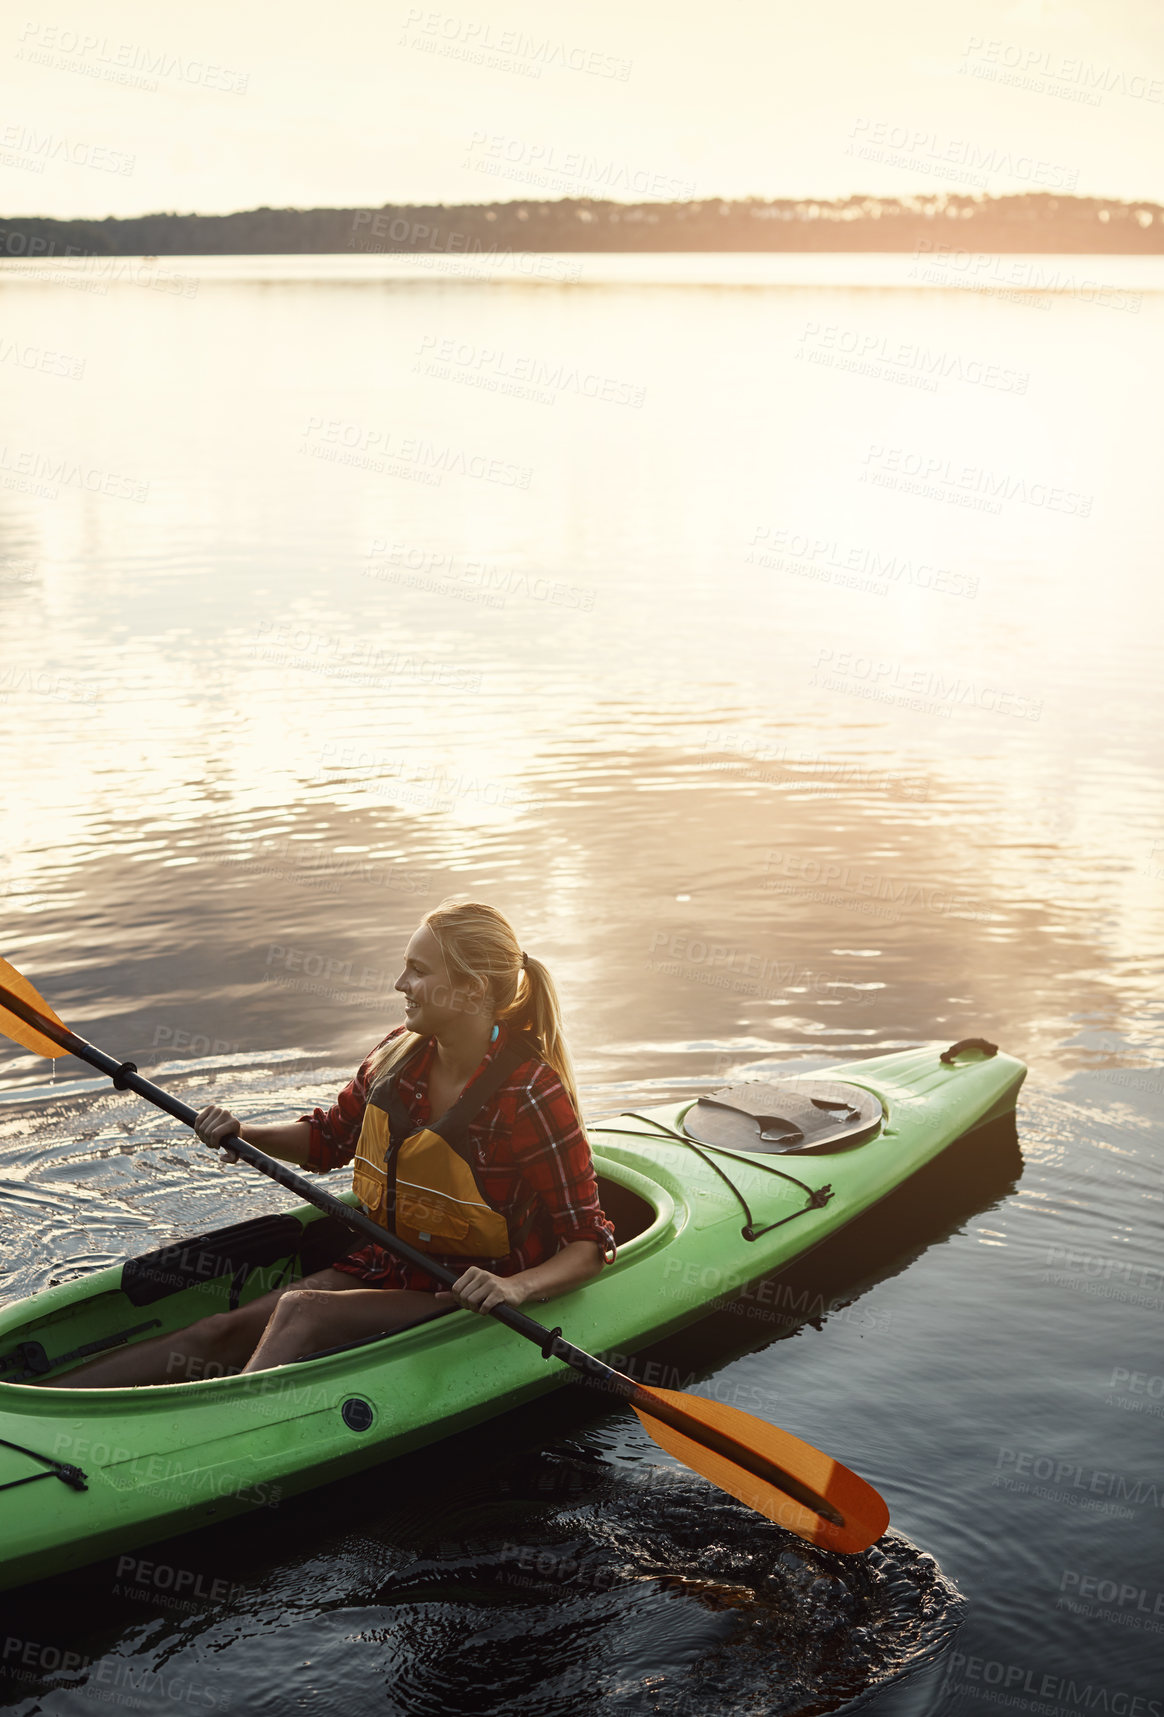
(464, 1127)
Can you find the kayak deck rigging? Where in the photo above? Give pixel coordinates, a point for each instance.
(817, 1197)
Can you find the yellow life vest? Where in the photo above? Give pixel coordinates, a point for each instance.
(419, 1183)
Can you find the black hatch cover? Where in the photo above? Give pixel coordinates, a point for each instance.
(785, 1115)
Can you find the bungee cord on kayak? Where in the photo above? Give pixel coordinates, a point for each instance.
(53, 1469)
(818, 1196)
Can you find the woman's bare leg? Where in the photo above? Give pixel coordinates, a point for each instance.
(209, 1348)
(309, 1318)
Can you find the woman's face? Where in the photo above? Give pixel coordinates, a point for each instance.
(430, 1000)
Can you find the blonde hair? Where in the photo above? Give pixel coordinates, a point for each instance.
(480, 945)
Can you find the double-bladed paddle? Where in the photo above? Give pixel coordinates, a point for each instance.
(789, 1481)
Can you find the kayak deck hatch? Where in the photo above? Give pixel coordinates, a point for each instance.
(784, 1116)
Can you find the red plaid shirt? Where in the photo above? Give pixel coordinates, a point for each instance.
(526, 1140)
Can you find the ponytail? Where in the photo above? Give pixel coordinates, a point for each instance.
(536, 1009)
(480, 946)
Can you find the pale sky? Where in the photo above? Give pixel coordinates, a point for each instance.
(127, 107)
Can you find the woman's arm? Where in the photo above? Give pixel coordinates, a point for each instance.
(334, 1131)
(287, 1139)
(577, 1262)
(479, 1291)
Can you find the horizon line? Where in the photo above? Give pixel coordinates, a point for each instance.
(909, 201)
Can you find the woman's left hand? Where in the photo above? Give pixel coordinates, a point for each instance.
(479, 1291)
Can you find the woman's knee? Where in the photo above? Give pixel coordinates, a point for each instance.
(210, 1334)
(211, 1347)
(302, 1308)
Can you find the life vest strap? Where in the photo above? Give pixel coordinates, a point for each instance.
(453, 1125)
(378, 1167)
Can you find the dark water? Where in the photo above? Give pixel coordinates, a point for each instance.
(760, 799)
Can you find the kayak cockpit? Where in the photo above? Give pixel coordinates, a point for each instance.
(173, 1286)
(630, 1214)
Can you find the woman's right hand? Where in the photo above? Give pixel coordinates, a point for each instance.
(212, 1124)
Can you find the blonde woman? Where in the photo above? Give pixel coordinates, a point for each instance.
(464, 1127)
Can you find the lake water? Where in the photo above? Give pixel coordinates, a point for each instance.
(776, 640)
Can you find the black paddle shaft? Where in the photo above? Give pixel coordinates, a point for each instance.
(126, 1078)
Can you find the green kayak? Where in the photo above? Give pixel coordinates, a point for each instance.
(705, 1196)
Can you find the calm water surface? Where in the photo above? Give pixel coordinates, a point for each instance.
(781, 650)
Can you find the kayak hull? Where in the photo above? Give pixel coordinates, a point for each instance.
(162, 1460)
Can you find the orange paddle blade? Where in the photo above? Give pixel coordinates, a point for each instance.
(863, 1512)
(26, 1035)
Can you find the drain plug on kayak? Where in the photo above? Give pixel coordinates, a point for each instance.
(357, 1414)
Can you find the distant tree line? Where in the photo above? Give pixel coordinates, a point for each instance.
(1031, 221)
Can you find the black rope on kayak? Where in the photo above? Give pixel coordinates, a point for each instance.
(818, 1197)
(37, 1363)
(120, 1081)
(72, 1476)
